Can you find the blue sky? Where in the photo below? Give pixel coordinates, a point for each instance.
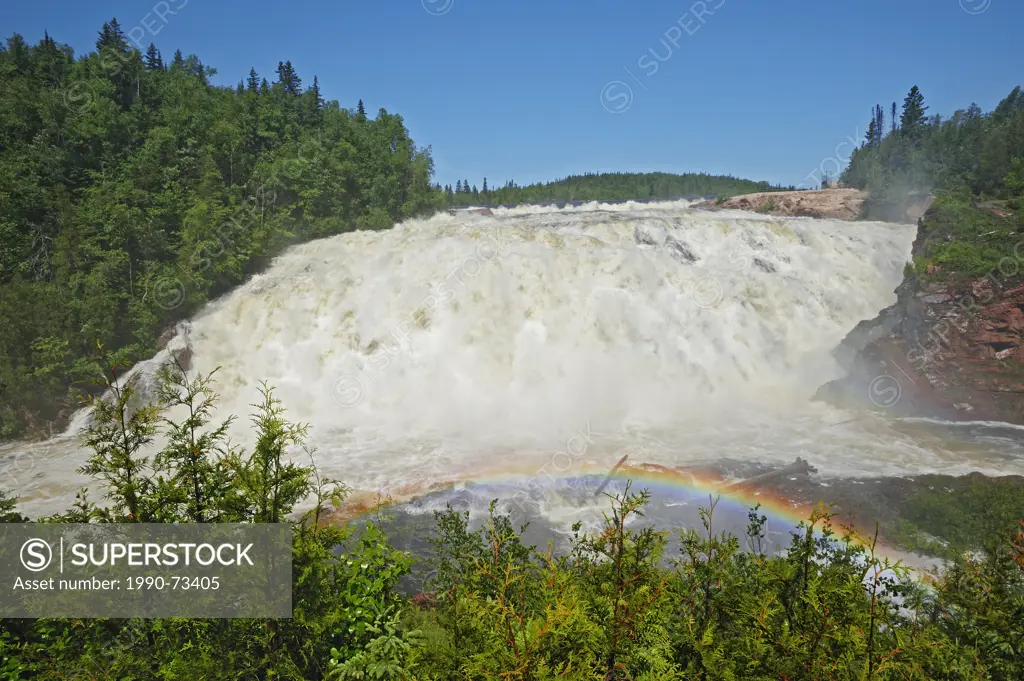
(521, 90)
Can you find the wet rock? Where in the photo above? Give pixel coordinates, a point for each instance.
(680, 251)
(643, 237)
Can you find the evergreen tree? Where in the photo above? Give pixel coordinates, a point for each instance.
(253, 83)
(111, 36)
(179, 61)
(913, 118)
(153, 60)
(485, 186)
(361, 110)
(872, 133)
(894, 118)
(288, 79)
(315, 92)
(458, 186)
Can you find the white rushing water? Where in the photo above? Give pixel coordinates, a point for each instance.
(471, 345)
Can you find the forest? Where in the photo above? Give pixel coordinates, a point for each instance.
(969, 151)
(132, 191)
(972, 162)
(606, 187)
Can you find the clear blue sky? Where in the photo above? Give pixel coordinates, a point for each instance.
(765, 90)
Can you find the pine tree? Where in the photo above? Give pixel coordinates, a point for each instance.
(458, 186)
(179, 61)
(869, 138)
(153, 59)
(894, 118)
(485, 186)
(254, 81)
(315, 93)
(288, 79)
(361, 111)
(465, 186)
(879, 124)
(111, 36)
(913, 118)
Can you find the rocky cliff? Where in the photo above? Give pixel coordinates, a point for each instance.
(950, 347)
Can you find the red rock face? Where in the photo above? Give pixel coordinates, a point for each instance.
(957, 352)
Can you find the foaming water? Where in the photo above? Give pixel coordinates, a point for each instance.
(471, 346)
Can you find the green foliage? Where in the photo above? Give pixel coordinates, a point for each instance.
(969, 151)
(608, 187)
(615, 606)
(7, 510)
(950, 516)
(969, 241)
(133, 191)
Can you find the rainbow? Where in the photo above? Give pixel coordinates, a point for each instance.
(661, 481)
(671, 482)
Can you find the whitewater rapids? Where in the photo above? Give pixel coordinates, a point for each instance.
(471, 346)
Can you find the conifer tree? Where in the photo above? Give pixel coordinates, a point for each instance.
(894, 117)
(111, 36)
(315, 92)
(869, 138)
(153, 60)
(913, 118)
(179, 61)
(253, 83)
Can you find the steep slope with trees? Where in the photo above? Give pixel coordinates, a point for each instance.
(953, 344)
(132, 191)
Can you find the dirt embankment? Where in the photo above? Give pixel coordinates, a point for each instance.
(835, 204)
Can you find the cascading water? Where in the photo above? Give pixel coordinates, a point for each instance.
(471, 345)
